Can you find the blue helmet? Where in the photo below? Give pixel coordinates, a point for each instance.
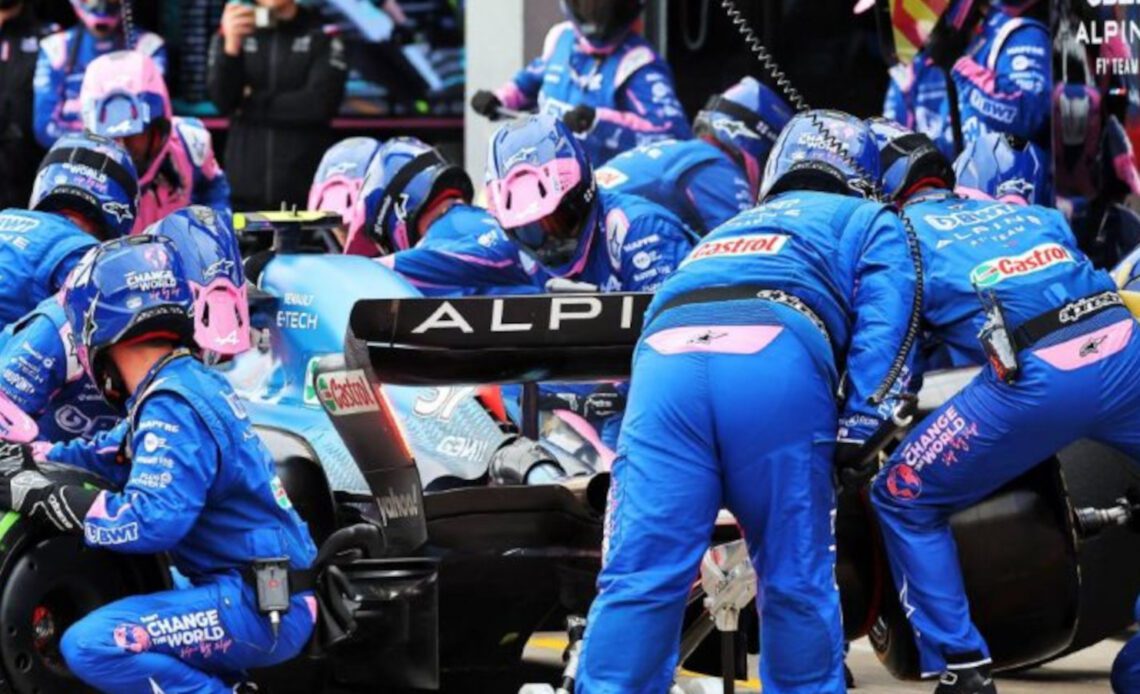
(603, 23)
(996, 166)
(92, 176)
(126, 290)
(908, 160)
(823, 150)
(404, 178)
(745, 120)
(540, 186)
(211, 258)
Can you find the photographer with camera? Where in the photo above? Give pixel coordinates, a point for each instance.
(280, 78)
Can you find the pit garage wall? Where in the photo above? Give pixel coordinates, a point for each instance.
(502, 36)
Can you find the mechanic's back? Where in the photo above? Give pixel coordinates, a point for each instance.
(1026, 255)
(806, 243)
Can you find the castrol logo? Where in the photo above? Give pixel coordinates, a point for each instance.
(751, 244)
(1038, 258)
(346, 392)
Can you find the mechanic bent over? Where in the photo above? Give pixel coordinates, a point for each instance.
(708, 180)
(221, 517)
(1005, 287)
(732, 403)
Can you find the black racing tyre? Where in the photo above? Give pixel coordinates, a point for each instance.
(46, 584)
(1097, 475)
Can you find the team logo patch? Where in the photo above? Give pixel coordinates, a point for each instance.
(904, 483)
(131, 637)
(608, 178)
(1038, 258)
(748, 245)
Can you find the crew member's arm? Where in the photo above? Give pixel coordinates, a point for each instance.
(483, 265)
(100, 455)
(652, 247)
(884, 282)
(33, 364)
(175, 462)
(646, 107)
(717, 191)
(895, 104)
(521, 92)
(1013, 97)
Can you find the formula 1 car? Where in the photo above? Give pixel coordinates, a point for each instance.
(364, 393)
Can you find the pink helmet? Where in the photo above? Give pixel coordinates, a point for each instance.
(337, 184)
(99, 16)
(123, 94)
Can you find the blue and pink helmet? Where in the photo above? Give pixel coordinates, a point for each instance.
(337, 184)
(540, 186)
(405, 179)
(124, 94)
(994, 166)
(823, 150)
(745, 121)
(127, 290)
(211, 259)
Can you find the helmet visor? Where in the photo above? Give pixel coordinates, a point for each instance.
(553, 239)
(603, 21)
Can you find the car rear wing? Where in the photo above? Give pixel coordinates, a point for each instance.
(485, 340)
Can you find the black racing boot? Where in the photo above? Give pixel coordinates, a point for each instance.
(967, 680)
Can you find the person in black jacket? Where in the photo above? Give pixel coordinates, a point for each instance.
(20, 34)
(281, 84)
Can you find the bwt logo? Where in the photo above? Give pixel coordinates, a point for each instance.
(112, 536)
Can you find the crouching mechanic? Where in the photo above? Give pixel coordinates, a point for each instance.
(708, 180)
(599, 76)
(1005, 287)
(41, 374)
(732, 403)
(199, 485)
(124, 97)
(85, 191)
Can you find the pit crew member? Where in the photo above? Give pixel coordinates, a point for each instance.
(748, 336)
(708, 180)
(1005, 286)
(601, 77)
(124, 98)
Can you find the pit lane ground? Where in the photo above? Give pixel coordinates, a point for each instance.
(1081, 673)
